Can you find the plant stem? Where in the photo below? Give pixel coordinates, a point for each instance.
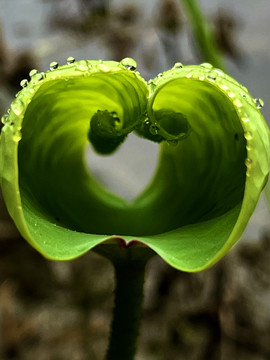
(127, 310)
(203, 34)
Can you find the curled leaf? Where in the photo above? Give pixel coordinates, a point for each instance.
(214, 161)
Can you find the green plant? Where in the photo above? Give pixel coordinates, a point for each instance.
(213, 165)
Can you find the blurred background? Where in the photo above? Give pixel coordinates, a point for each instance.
(58, 311)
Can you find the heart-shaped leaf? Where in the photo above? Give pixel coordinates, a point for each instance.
(214, 161)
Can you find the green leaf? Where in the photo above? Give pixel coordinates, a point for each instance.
(214, 162)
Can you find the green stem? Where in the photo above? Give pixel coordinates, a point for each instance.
(127, 311)
(203, 34)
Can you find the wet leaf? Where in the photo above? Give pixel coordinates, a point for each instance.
(214, 161)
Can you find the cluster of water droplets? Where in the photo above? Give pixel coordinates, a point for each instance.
(54, 64)
(18, 105)
(245, 118)
(157, 133)
(241, 99)
(116, 128)
(231, 88)
(205, 72)
(36, 76)
(149, 126)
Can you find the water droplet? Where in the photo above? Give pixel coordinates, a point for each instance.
(38, 77)
(223, 87)
(70, 60)
(33, 72)
(17, 107)
(212, 76)
(53, 65)
(154, 129)
(24, 83)
(189, 75)
(4, 119)
(248, 135)
(82, 65)
(219, 72)
(248, 162)
(160, 75)
(172, 142)
(231, 95)
(129, 63)
(206, 65)
(115, 116)
(259, 103)
(178, 65)
(152, 84)
(245, 119)
(17, 136)
(237, 103)
(104, 67)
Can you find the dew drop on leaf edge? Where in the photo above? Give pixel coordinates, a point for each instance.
(153, 129)
(24, 83)
(172, 142)
(248, 162)
(33, 72)
(178, 65)
(53, 65)
(17, 107)
(259, 103)
(17, 136)
(129, 63)
(70, 60)
(207, 65)
(248, 135)
(4, 119)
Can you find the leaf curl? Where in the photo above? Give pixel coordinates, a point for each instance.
(214, 161)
